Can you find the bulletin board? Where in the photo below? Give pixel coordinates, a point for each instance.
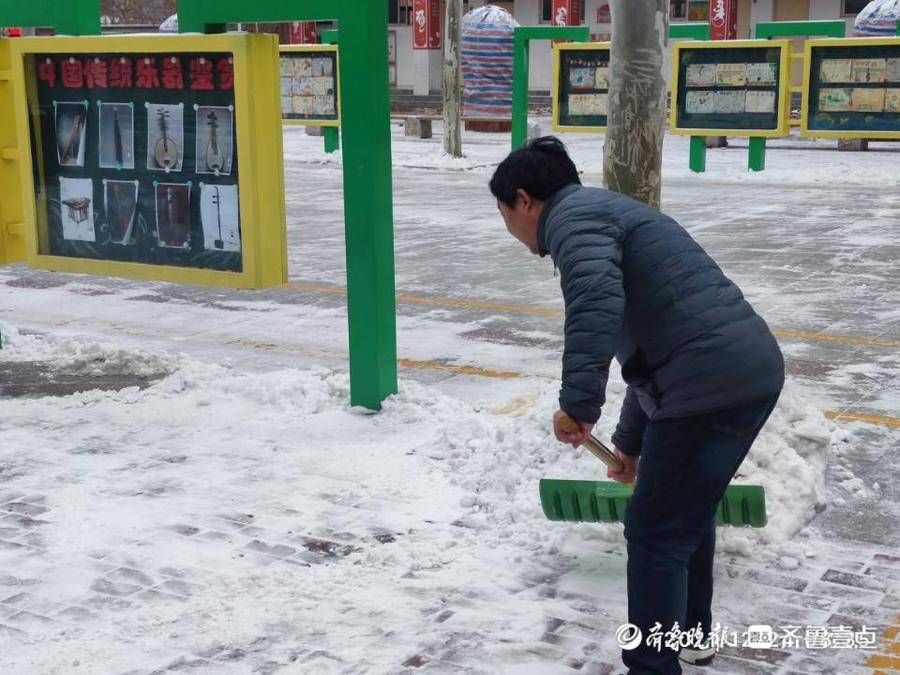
(310, 90)
(581, 86)
(851, 89)
(141, 163)
(731, 88)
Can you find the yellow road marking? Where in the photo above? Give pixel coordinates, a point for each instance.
(534, 310)
(405, 298)
(457, 370)
(840, 339)
(863, 417)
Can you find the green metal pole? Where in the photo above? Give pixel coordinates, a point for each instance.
(332, 139)
(757, 154)
(697, 158)
(521, 44)
(332, 134)
(368, 197)
(898, 28)
(520, 93)
(72, 17)
(368, 202)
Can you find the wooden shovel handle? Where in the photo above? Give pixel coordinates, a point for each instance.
(598, 449)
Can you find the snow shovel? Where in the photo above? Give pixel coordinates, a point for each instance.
(604, 501)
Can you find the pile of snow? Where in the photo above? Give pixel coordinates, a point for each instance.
(79, 357)
(495, 459)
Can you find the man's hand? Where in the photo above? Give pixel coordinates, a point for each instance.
(629, 472)
(570, 431)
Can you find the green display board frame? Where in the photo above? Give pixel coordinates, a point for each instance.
(368, 197)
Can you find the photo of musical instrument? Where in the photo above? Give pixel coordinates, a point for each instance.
(173, 215)
(215, 158)
(166, 151)
(72, 147)
(217, 200)
(121, 206)
(117, 136)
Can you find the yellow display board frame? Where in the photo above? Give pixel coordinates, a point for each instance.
(558, 49)
(12, 228)
(259, 151)
(807, 82)
(783, 127)
(288, 49)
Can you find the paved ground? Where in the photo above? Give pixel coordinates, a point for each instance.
(819, 264)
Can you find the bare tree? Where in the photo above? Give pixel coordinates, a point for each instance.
(452, 81)
(632, 161)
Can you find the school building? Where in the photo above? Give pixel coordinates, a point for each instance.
(417, 68)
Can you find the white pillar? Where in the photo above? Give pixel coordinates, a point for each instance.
(426, 71)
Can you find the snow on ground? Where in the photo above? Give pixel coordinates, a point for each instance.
(793, 160)
(137, 483)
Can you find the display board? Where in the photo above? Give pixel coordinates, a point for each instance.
(138, 160)
(731, 88)
(580, 86)
(310, 92)
(851, 88)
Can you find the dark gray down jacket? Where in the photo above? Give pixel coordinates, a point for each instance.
(637, 286)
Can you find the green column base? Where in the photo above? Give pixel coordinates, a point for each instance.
(332, 139)
(697, 161)
(757, 158)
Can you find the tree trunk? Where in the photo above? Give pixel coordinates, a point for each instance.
(637, 99)
(452, 127)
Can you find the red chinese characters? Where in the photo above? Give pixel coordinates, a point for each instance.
(172, 77)
(72, 73)
(201, 74)
(225, 67)
(147, 74)
(120, 73)
(96, 73)
(47, 72)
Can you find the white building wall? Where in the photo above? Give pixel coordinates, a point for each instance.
(404, 56)
(761, 10)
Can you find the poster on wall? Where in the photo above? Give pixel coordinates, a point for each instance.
(732, 87)
(581, 87)
(309, 85)
(852, 88)
(126, 140)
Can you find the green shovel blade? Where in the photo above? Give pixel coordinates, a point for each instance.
(587, 501)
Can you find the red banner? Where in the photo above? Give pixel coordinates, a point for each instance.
(304, 33)
(722, 19)
(420, 24)
(566, 13)
(434, 24)
(426, 24)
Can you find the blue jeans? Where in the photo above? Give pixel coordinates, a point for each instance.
(686, 464)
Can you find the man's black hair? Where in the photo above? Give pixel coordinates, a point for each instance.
(541, 168)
